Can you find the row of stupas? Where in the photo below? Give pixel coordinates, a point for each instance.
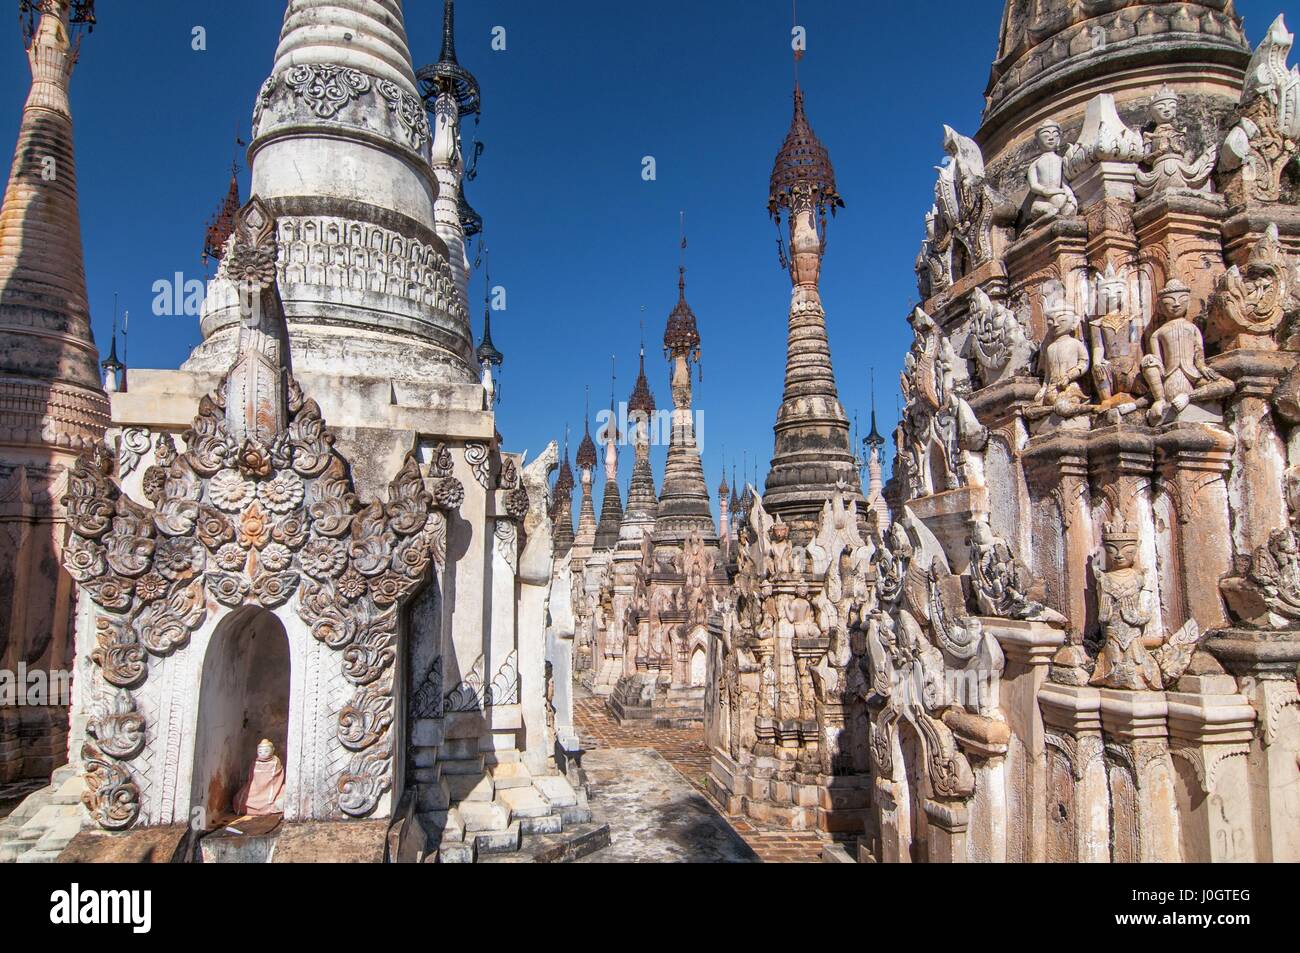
(307, 545)
(646, 578)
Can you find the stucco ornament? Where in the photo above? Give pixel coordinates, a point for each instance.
(259, 535)
(1249, 305)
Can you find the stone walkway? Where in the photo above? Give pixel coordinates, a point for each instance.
(641, 792)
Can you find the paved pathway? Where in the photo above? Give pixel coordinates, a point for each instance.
(657, 813)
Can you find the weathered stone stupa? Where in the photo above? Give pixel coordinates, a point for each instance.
(309, 533)
(51, 403)
(1095, 468)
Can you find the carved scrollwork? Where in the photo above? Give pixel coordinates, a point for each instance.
(131, 449)
(117, 726)
(366, 717)
(365, 781)
(326, 88)
(111, 796)
(479, 459)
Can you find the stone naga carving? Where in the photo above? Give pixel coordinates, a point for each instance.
(997, 342)
(1184, 378)
(1167, 165)
(1049, 195)
(969, 223)
(1248, 307)
(1134, 654)
(1265, 139)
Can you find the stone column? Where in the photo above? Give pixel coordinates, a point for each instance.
(1056, 468)
(1194, 462)
(1078, 802)
(1210, 728)
(1265, 662)
(1135, 724)
(948, 823)
(1028, 647)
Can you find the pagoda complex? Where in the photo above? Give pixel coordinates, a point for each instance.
(309, 533)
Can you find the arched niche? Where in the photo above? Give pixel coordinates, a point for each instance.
(243, 697)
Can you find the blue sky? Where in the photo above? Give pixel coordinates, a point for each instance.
(584, 247)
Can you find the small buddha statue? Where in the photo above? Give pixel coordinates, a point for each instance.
(1050, 196)
(263, 793)
(1063, 364)
(1184, 376)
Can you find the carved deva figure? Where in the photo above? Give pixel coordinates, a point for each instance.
(1168, 165)
(1049, 195)
(1124, 611)
(1184, 378)
(1118, 364)
(1062, 363)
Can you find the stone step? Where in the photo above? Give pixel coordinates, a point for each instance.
(484, 816)
(555, 848)
(557, 790)
(514, 775)
(433, 797)
(472, 765)
(451, 851)
(524, 802)
(498, 842)
(69, 792)
(454, 824)
(546, 824)
(469, 787)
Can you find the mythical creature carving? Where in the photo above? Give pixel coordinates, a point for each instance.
(1265, 139)
(997, 342)
(1001, 584)
(1248, 307)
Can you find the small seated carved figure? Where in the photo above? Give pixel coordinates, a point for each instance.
(1119, 367)
(1050, 196)
(1170, 165)
(1179, 350)
(1062, 363)
(263, 792)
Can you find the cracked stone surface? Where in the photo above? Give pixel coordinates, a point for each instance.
(654, 814)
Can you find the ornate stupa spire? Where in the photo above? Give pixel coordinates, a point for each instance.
(341, 156)
(451, 93)
(873, 441)
(586, 460)
(49, 374)
(611, 507)
(222, 225)
(562, 503)
(813, 452)
(52, 404)
(488, 355)
(642, 504)
(724, 510)
(684, 498)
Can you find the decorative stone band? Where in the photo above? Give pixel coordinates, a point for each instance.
(52, 415)
(315, 91)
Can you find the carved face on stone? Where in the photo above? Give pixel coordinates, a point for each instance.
(1049, 136)
(265, 750)
(1165, 108)
(1121, 551)
(1063, 321)
(1175, 301)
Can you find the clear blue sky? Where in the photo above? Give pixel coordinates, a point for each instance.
(584, 90)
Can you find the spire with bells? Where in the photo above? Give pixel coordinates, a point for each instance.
(488, 355)
(813, 452)
(611, 507)
(873, 441)
(684, 498)
(642, 503)
(48, 360)
(222, 225)
(562, 507)
(451, 94)
(113, 368)
(586, 460)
